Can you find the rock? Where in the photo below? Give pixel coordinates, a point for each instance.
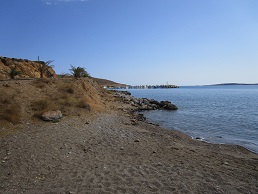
(168, 105)
(126, 93)
(52, 115)
(144, 107)
(140, 117)
(144, 103)
(133, 122)
(154, 102)
(171, 107)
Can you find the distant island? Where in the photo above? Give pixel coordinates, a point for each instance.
(231, 84)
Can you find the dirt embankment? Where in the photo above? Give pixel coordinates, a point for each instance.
(23, 101)
(104, 150)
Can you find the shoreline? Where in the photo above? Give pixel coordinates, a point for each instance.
(145, 104)
(223, 138)
(197, 138)
(115, 152)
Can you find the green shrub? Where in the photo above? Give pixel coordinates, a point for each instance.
(13, 72)
(43, 67)
(78, 72)
(3, 60)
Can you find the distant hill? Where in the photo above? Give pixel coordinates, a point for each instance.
(231, 84)
(107, 83)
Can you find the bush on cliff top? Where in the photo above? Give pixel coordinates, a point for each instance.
(78, 72)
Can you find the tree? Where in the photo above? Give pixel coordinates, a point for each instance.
(44, 66)
(78, 72)
(13, 72)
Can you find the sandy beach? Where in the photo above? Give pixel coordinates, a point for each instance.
(108, 153)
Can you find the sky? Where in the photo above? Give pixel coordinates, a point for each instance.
(137, 42)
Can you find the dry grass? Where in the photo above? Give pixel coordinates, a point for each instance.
(41, 83)
(83, 104)
(66, 100)
(10, 109)
(67, 87)
(25, 100)
(38, 107)
(13, 114)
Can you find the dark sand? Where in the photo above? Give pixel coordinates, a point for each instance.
(105, 153)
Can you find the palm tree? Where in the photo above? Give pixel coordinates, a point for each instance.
(78, 72)
(44, 66)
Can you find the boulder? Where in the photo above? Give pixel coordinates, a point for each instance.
(145, 103)
(168, 105)
(152, 101)
(145, 107)
(52, 115)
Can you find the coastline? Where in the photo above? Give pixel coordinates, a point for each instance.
(114, 152)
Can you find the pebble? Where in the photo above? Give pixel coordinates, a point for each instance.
(137, 140)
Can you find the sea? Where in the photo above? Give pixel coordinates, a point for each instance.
(226, 114)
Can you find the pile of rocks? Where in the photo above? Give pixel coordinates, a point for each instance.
(144, 103)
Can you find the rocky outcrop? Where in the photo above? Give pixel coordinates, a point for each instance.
(168, 105)
(28, 69)
(144, 103)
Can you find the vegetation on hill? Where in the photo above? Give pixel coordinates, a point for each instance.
(43, 68)
(25, 100)
(13, 72)
(11, 68)
(78, 72)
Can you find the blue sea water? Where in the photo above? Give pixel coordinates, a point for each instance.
(216, 114)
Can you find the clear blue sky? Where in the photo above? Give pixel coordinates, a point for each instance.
(182, 42)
